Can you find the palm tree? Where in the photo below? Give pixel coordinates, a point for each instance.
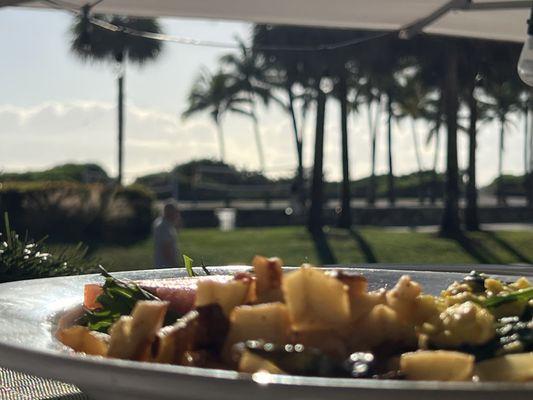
(247, 71)
(95, 43)
(504, 101)
(373, 110)
(412, 105)
(284, 70)
(451, 224)
(433, 114)
(379, 61)
(212, 93)
(437, 63)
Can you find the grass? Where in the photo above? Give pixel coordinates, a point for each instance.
(294, 245)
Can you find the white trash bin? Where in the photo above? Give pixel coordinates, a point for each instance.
(226, 218)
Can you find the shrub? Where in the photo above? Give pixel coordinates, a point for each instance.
(23, 258)
(73, 211)
(81, 173)
(129, 214)
(511, 185)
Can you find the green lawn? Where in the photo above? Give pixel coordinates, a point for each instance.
(295, 246)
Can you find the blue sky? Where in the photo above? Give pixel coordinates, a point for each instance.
(54, 108)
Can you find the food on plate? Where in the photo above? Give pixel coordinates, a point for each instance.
(313, 322)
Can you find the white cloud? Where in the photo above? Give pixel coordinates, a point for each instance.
(55, 132)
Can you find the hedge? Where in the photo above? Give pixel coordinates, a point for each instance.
(74, 211)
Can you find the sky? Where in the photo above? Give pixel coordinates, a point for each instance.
(55, 108)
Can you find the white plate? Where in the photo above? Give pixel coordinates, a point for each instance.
(29, 311)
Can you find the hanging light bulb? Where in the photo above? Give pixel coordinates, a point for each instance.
(525, 62)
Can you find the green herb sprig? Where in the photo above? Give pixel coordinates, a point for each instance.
(519, 295)
(188, 262)
(118, 298)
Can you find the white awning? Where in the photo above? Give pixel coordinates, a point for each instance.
(462, 17)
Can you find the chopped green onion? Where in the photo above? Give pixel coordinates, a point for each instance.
(188, 261)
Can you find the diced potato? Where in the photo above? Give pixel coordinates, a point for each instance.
(511, 367)
(81, 339)
(228, 294)
(269, 322)
(357, 284)
(252, 363)
(437, 365)
(363, 303)
(268, 273)
(315, 300)
(402, 297)
(173, 341)
(132, 336)
(202, 330)
(381, 325)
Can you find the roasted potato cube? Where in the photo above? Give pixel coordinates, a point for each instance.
(511, 367)
(205, 328)
(381, 325)
(403, 297)
(173, 341)
(81, 339)
(132, 336)
(315, 300)
(268, 273)
(228, 294)
(362, 303)
(252, 363)
(269, 322)
(437, 365)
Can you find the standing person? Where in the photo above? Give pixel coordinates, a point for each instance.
(166, 251)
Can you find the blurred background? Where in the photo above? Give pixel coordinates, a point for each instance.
(312, 144)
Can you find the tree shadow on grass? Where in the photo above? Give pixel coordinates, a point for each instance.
(365, 247)
(325, 254)
(477, 250)
(509, 248)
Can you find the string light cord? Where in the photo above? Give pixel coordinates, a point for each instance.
(63, 5)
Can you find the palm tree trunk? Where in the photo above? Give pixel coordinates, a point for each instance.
(372, 127)
(471, 211)
(526, 136)
(529, 177)
(527, 154)
(450, 224)
(501, 195)
(299, 146)
(345, 219)
(392, 194)
(435, 183)
(258, 141)
(418, 162)
(315, 213)
(120, 82)
(221, 145)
